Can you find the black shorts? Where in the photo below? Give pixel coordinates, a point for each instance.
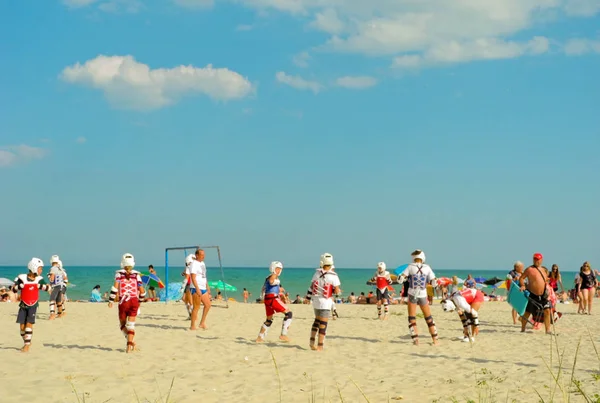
(537, 304)
(382, 295)
(26, 314)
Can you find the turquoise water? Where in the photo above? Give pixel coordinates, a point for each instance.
(294, 280)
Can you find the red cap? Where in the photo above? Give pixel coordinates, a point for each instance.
(537, 256)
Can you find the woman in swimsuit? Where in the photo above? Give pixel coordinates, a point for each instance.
(554, 279)
(587, 286)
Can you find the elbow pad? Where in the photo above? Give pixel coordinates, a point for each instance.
(113, 294)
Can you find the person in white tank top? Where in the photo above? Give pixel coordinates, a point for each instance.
(418, 275)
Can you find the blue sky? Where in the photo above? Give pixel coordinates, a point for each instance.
(282, 129)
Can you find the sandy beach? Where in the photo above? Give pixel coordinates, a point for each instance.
(83, 353)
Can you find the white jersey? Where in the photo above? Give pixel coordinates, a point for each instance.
(322, 287)
(419, 275)
(59, 276)
(199, 269)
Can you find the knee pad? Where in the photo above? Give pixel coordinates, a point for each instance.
(464, 319)
(268, 322)
(412, 319)
(130, 326)
(288, 315)
(315, 325)
(323, 328)
(474, 317)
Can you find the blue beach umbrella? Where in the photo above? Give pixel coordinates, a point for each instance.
(479, 279)
(400, 269)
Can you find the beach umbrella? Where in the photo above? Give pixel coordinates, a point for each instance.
(479, 279)
(4, 282)
(460, 280)
(222, 286)
(492, 281)
(400, 269)
(501, 285)
(150, 279)
(444, 281)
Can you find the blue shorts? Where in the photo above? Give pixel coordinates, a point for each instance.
(193, 291)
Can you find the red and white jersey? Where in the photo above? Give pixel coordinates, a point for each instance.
(128, 284)
(322, 286)
(382, 280)
(30, 289)
(471, 295)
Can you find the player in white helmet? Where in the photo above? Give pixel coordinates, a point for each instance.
(58, 281)
(128, 289)
(419, 274)
(382, 280)
(324, 284)
(29, 285)
(273, 304)
(185, 286)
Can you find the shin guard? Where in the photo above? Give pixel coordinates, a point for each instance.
(265, 328)
(432, 329)
(28, 335)
(287, 321)
(412, 327)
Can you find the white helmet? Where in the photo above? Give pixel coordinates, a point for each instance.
(54, 259)
(275, 265)
(189, 258)
(418, 254)
(326, 259)
(34, 264)
(381, 266)
(127, 261)
(60, 266)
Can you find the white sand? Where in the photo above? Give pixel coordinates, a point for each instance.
(85, 351)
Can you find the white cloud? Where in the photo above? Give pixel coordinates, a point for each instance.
(356, 82)
(328, 21)
(583, 8)
(580, 46)
(129, 84)
(10, 155)
(414, 31)
(194, 3)
(298, 82)
(80, 140)
(301, 59)
(480, 49)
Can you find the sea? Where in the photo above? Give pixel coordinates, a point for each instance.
(295, 280)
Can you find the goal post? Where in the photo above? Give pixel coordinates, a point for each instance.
(192, 249)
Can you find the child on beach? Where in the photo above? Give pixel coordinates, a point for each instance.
(382, 280)
(128, 289)
(58, 280)
(30, 285)
(419, 275)
(324, 284)
(187, 295)
(273, 303)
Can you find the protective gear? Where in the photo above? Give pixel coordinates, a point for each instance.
(265, 328)
(34, 264)
(326, 259)
(28, 335)
(412, 327)
(381, 267)
(113, 294)
(130, 326)
(52, 307)
(127, 261)
(189, 258)
(432, 328)
(418, 254)
(274, 265)
(287, 321)
(54, 259)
